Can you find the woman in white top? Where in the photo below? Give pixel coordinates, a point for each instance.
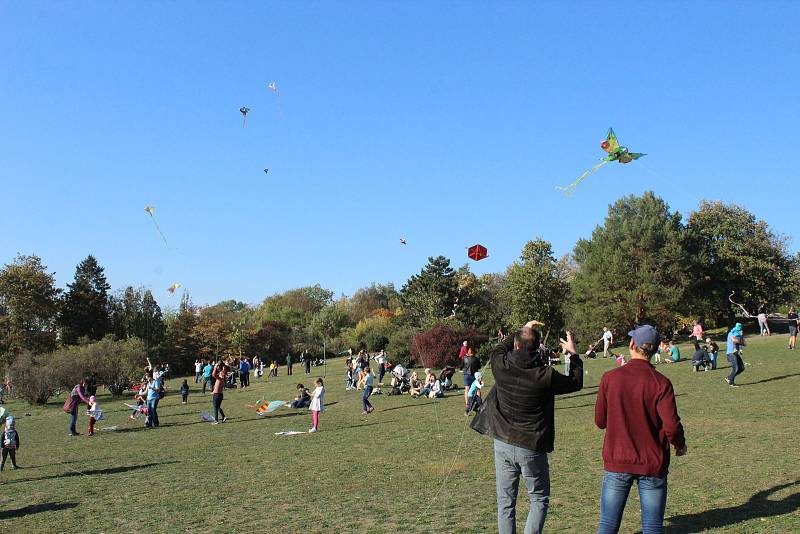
(317, 404)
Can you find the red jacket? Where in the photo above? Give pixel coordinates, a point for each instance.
(636, 406)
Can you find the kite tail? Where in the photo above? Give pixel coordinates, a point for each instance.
(159, 231)
(568, 190)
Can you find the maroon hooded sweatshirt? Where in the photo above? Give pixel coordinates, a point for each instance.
(636, 407)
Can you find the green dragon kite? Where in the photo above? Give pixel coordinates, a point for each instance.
(615, 153)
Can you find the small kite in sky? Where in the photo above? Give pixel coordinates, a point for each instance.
(171, 289)
(402, 241)
(151, 211)
(272, 86)
(244, 111)
(615, 153)
(477, 252)
(266, 171)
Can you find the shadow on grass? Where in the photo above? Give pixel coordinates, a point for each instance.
(774, 378)
(90, 472)
(572, 407)
(758, 506)
(37, 509)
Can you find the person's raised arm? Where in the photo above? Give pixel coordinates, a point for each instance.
(561, 384)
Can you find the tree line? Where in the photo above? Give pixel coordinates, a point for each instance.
(644, 263)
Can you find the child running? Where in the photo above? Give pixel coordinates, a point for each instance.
(317, 404)
(10, 443)
(185, 391)
(369, 381)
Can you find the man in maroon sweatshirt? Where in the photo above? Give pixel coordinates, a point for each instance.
(636, 407)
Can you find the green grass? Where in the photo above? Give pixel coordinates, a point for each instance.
(411, 466)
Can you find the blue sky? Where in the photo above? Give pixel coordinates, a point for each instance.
(446, 123)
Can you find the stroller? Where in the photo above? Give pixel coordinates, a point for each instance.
(590, 352)
(401, 380)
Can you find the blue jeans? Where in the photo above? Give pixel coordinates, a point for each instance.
(365, 404)
(510, 462)
(73, 419)
(713, 358)
(737, 366)
(197, 378)
(652, 494)
(152, 413)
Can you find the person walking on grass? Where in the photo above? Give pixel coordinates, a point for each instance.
(608, 339)
(307, 361)
(317, 404)
(636, 407)
(470, 368)
(735, 342)
(793, 320)
(220, 375)
(289, 363)
(207, 371)
(9, 443)
(76, 397)
(154, 391)
(519, 415)
(380, 359)
(763, 325)
(369, 383)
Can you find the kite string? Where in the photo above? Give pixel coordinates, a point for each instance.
(455, 458)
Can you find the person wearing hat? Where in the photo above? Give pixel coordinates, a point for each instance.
(735, 342)
(474, 394)
(519, 415)
(636, 407)
(9, 443)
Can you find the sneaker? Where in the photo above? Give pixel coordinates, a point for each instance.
(215, 423)
(90, 434)
(733, 385)
(224, 419)
(312, 430)
(727, 381)
(363, 412)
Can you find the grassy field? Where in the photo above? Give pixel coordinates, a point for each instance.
(413, 465)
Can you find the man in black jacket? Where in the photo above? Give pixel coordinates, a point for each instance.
(519, 413)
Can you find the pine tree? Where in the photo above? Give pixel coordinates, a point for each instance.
(85, 310)
(429, 297)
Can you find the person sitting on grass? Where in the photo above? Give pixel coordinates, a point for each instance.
(430, 379)
(474, 395)
(415, 385)
(674, 353)
(437, 389)
(303, 398)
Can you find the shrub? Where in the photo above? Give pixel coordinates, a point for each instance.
(117, 363)
(34, 378)
(440, 345)
(399, 347)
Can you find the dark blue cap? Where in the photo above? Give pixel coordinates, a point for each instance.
(645, 334)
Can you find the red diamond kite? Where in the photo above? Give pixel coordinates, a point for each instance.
(477, 252)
